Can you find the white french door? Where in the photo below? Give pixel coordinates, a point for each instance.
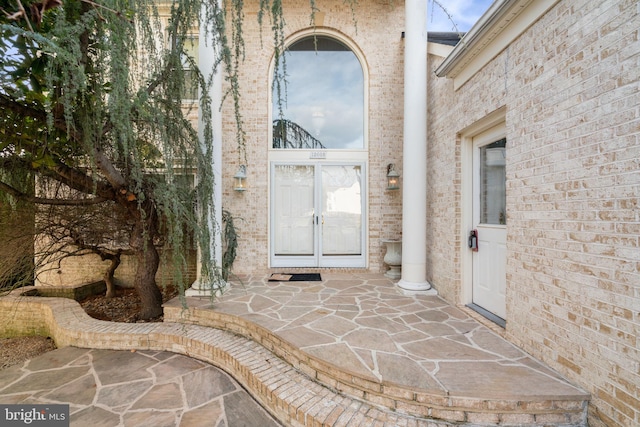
(489, 224)
(317, 215)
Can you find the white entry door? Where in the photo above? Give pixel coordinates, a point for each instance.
(489, 223)
(317, 215)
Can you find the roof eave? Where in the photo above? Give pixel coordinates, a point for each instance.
(504, 21)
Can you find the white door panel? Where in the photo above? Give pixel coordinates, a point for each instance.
(293, 225)
(489, 270)
(341, 210)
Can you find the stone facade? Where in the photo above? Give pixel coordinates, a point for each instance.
(376, 32)
(568, 89)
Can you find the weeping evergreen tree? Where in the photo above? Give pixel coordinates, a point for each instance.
(92, 119)
(93, 125)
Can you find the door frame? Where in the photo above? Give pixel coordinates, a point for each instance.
(496, 119)
(490, 300)
(347, 261)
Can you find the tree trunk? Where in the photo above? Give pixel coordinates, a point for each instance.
(148, 260)
(108, 276)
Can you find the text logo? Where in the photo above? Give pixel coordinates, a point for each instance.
(34, 415)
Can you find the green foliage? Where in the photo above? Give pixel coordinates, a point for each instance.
(91, 99)
(230, 243)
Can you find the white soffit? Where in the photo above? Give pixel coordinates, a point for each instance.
(438, 49)
(501, 24)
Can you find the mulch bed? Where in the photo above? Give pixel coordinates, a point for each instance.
(14, 351)
(124, 307)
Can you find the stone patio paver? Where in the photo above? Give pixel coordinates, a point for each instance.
(211, 397)
(424, 329)
(362, 335)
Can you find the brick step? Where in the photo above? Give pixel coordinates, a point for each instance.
(431, 406)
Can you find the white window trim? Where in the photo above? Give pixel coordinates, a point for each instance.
(304, 156)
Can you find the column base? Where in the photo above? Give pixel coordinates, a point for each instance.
(394, 272)
(209, 290)
(416, 288)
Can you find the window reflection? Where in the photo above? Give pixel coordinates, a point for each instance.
(322, 103)
(493, 193)
(190, 75)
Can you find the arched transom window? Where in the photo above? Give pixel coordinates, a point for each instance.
(321, 105)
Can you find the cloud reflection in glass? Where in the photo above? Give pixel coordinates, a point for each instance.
(324, 93)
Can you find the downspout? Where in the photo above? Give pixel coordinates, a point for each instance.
(414, 153)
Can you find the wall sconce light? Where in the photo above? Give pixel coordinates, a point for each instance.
(392, 177)
(239, 179)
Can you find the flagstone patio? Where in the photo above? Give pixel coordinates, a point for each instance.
(359, 335)
(125, 388)
(350, 350)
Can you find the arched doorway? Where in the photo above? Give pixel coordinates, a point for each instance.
(318, 155)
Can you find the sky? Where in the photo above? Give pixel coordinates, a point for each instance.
(465, 13)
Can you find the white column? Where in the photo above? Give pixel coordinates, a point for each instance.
(414, 169)
(207, 54)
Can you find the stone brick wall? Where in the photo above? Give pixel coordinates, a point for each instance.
(375, 28)
(85, 269)
(570, 86)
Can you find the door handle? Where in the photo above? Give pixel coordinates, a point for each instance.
(473, 240)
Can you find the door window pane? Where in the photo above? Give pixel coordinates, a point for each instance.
(341, 210)
(293, 210)
(493, 200)
(321, 105)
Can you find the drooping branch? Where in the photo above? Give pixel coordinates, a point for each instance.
(287, 134)
(46, 201)
(40, 115)
(37, 9)
(446, 12)
(111, 174)
(104, 164)
(77, 180)
(71, 177)
(101, 6)
(91, 105)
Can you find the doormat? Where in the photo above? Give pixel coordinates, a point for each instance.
(285, 277)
